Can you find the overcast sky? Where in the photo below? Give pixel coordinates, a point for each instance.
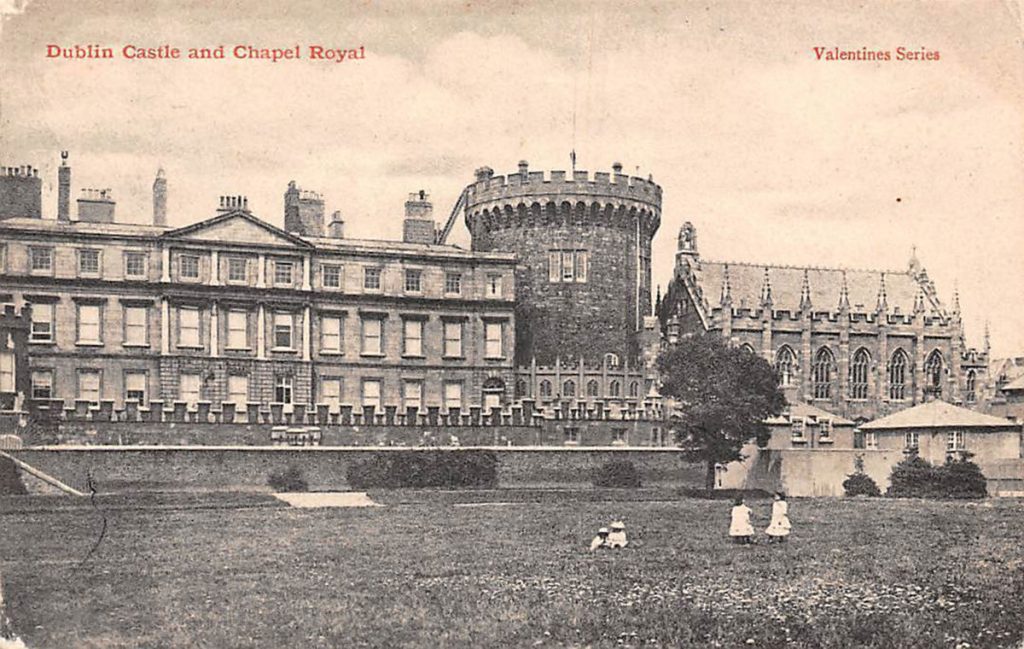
(775, 156)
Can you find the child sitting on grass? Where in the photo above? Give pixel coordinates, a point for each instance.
(601, 540)
(617, 538)
(740, 529)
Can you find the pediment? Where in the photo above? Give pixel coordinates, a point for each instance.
(238, 228)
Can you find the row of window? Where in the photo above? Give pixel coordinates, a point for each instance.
(283, 332)
(592, 388)
(801, 434)
(823, 370)
(190, 389)
(41, 261)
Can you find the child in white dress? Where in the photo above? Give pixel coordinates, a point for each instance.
(740, 529)
(778, 528)
(601, 540)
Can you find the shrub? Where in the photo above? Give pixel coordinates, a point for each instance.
(617, 473)
(291, 479)
(913, 477)
(860, 484)
(963, 479)
(10, 479)
(957, 478)
(420, 469)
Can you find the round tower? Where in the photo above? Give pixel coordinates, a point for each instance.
(583, 281)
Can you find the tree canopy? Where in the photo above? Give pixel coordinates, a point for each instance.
(723, 395)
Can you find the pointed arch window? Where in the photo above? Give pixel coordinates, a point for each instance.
(859, 369)
(634, 389)
(747, 347)
(971, 393)
(593, 389)
(615, 389)
(569, 388)
(933, 372)
(785, 365)
(898, 375)
(821, 372)
(545, 388)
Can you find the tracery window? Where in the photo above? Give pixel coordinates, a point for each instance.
(859, 374)
(822, 373)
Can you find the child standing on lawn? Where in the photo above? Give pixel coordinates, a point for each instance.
(778, 528)
(741, 530)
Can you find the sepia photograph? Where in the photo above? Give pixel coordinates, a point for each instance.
(459, 323)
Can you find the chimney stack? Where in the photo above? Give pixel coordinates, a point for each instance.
(336, 229)
(96, 206)
(303, 212)
(233, 204)
(21, 193)
(419, 226)
(160, 198)
(64, 189)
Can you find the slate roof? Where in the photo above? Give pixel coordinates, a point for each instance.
(1016, 385)
(938, 414)
(746, 281)
(806, 411)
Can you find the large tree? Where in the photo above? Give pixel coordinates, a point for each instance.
(723, 395)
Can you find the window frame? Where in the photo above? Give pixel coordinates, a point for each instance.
(412, 350)
(450, 399)
(459, 326)
(33, 251)
(452, 279)
(8, 359)
(375, 272)
(325, 335)
(231, 392)
(364, 348)
(145, 386)
(333, 402)
(33, 384)
(277, 329)
(489, 352)
(324, 267)
(406, 384)
(79, 324)
(413, 281)
(89, 371)
(51, 336)
(365, 399)
(230, 319)
(232, 262)
(182, 342)
(83, 254)
(494, 285)
(198, 391)
(129, 255)
(182, 257)
(276, 276)
(129, 326)
(284, 388)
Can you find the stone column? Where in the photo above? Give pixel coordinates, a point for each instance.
(307, 335)
(307, 272)
(214, 330)
(214, 268)
(261, 332)
(165, 270)
(165, 327)
(261, 271)
(919, 378)
(806, 380)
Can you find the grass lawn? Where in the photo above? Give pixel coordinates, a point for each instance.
(237, 570)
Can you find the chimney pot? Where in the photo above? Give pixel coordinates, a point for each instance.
(617, 167)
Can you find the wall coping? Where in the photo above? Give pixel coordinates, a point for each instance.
(314, 449)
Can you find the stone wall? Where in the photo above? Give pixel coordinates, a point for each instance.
(131, 469)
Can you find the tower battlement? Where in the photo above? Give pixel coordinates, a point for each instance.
(556, 186)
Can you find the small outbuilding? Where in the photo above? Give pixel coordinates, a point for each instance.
(937, 429)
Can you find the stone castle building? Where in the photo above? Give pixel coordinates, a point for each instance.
(233, 309)
(857, 343)
(583, 278)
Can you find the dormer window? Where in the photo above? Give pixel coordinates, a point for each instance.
(798, 431)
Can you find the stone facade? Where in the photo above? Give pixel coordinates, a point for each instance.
(583, 245)
(234, 309)
(859, 343)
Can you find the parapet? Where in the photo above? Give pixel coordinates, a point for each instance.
(557, 186)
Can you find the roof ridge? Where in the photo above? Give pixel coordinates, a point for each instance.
(807, 267)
